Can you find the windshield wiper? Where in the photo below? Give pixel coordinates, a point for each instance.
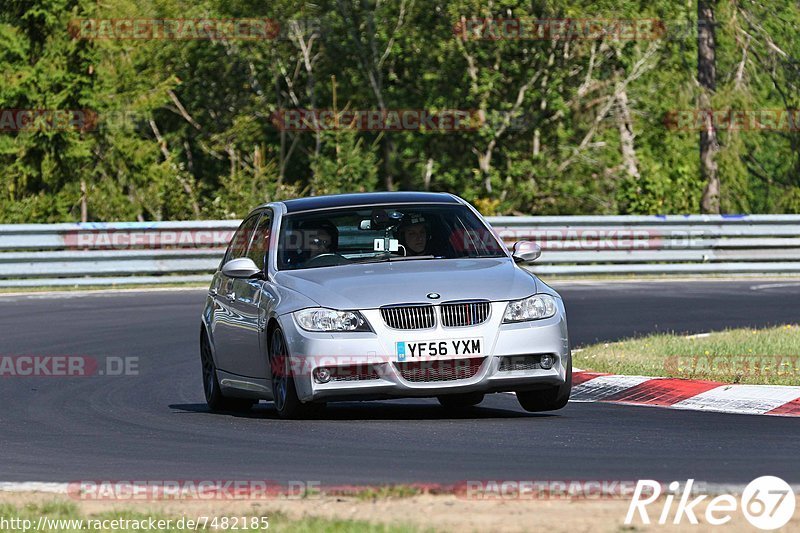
(413, 257)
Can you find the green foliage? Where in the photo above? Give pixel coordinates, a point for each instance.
(185, 127)
(344, 165)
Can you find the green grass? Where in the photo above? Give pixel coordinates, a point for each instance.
(84, 288)
(388, 491)
(277, 521)
(755, 356)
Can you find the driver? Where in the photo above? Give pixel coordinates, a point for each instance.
(321, 237)
(414, 235)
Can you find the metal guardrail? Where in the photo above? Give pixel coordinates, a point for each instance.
(129, 253)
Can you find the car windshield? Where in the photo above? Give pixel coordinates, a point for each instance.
(383, 233)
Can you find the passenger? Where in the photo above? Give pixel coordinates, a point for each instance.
(414, 235)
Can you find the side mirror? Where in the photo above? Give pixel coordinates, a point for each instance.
(244, 267)
(526, 252)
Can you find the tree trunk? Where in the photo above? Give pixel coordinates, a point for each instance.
(84, 206)
(388, 154)
(707, 78)
(428, 174)
(626, 136)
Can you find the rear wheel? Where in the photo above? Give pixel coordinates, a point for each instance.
(284, 391)
(461, 401)
(214, 398)
(548, 399)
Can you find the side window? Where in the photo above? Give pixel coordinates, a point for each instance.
(238, 246)
(259, 246)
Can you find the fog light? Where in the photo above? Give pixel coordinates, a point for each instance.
(322, 375)
(547, 362)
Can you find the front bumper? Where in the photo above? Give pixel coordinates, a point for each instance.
(309, 351)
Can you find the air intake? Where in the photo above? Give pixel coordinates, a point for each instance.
(511, 363)
(462, 314)
(409, 316)
(447, 370)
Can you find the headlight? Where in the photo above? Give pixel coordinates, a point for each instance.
(331, 320)
(532, 308)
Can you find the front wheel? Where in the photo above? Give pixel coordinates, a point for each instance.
(548, 399)
(214, 397)
(284, 392)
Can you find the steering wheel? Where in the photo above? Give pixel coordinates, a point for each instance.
(326, 259)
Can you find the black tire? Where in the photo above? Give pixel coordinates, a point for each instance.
(284, 391)
(548, 399)
(214, 397)
(461, 401)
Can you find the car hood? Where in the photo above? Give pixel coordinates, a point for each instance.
(372, 285)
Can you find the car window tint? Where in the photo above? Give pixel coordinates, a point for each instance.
(241, 239)
(260, 241)
(469, 238)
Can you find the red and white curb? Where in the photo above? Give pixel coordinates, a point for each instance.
(688, 394)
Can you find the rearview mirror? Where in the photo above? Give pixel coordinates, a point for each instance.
(526, 252)
(244, 267)
(380, 219)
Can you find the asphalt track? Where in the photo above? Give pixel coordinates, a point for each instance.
(155, 426)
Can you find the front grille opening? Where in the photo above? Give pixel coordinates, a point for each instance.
(462, 314)
(510, 363)
(363, 372)
(409, 316)
(432, 371)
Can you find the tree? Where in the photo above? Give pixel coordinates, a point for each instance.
(707, 79)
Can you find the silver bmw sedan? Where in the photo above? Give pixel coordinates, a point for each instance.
(375, 296)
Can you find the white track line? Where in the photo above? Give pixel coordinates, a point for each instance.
(33, 486)
(601, 387)
(773, 286)
(747, 399)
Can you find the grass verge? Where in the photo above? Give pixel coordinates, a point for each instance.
(442, 513)
(104, 288)
(756, 356)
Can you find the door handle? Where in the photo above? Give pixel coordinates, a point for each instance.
(231, 296)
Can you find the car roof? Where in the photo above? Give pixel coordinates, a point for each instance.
(369, 198)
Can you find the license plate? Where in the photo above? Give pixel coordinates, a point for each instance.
(419, 350)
